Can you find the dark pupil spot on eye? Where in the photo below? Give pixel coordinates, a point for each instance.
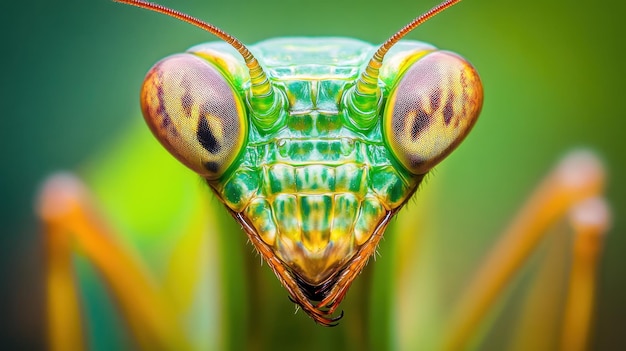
(415, 161)
(420, 122)
(186, 100)
(212, 167)
(435, 99)
(166, 121)
(448, 111)
(206, 138)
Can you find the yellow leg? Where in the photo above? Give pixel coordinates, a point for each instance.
(576, 179)
(72, 224)
(63, 312)
(590, 220)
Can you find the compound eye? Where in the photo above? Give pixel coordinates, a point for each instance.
(431, 109)
(196, 114)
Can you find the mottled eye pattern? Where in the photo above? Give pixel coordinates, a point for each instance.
(194, 111)
(431, 110)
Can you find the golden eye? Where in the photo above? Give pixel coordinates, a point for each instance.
(431, 109)
(194, 111)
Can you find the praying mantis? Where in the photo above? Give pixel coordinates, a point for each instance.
(61, 189)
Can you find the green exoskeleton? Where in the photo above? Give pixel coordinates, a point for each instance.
(312, 144)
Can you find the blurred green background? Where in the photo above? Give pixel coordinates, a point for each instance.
(553, 74)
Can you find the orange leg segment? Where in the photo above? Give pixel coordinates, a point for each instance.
(72, 224)
(577, 181)
(590, 220)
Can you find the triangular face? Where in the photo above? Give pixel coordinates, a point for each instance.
(317, 225)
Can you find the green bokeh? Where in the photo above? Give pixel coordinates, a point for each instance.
(553, 74)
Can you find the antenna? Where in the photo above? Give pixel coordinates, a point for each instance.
(262, 93)
(365, 95)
